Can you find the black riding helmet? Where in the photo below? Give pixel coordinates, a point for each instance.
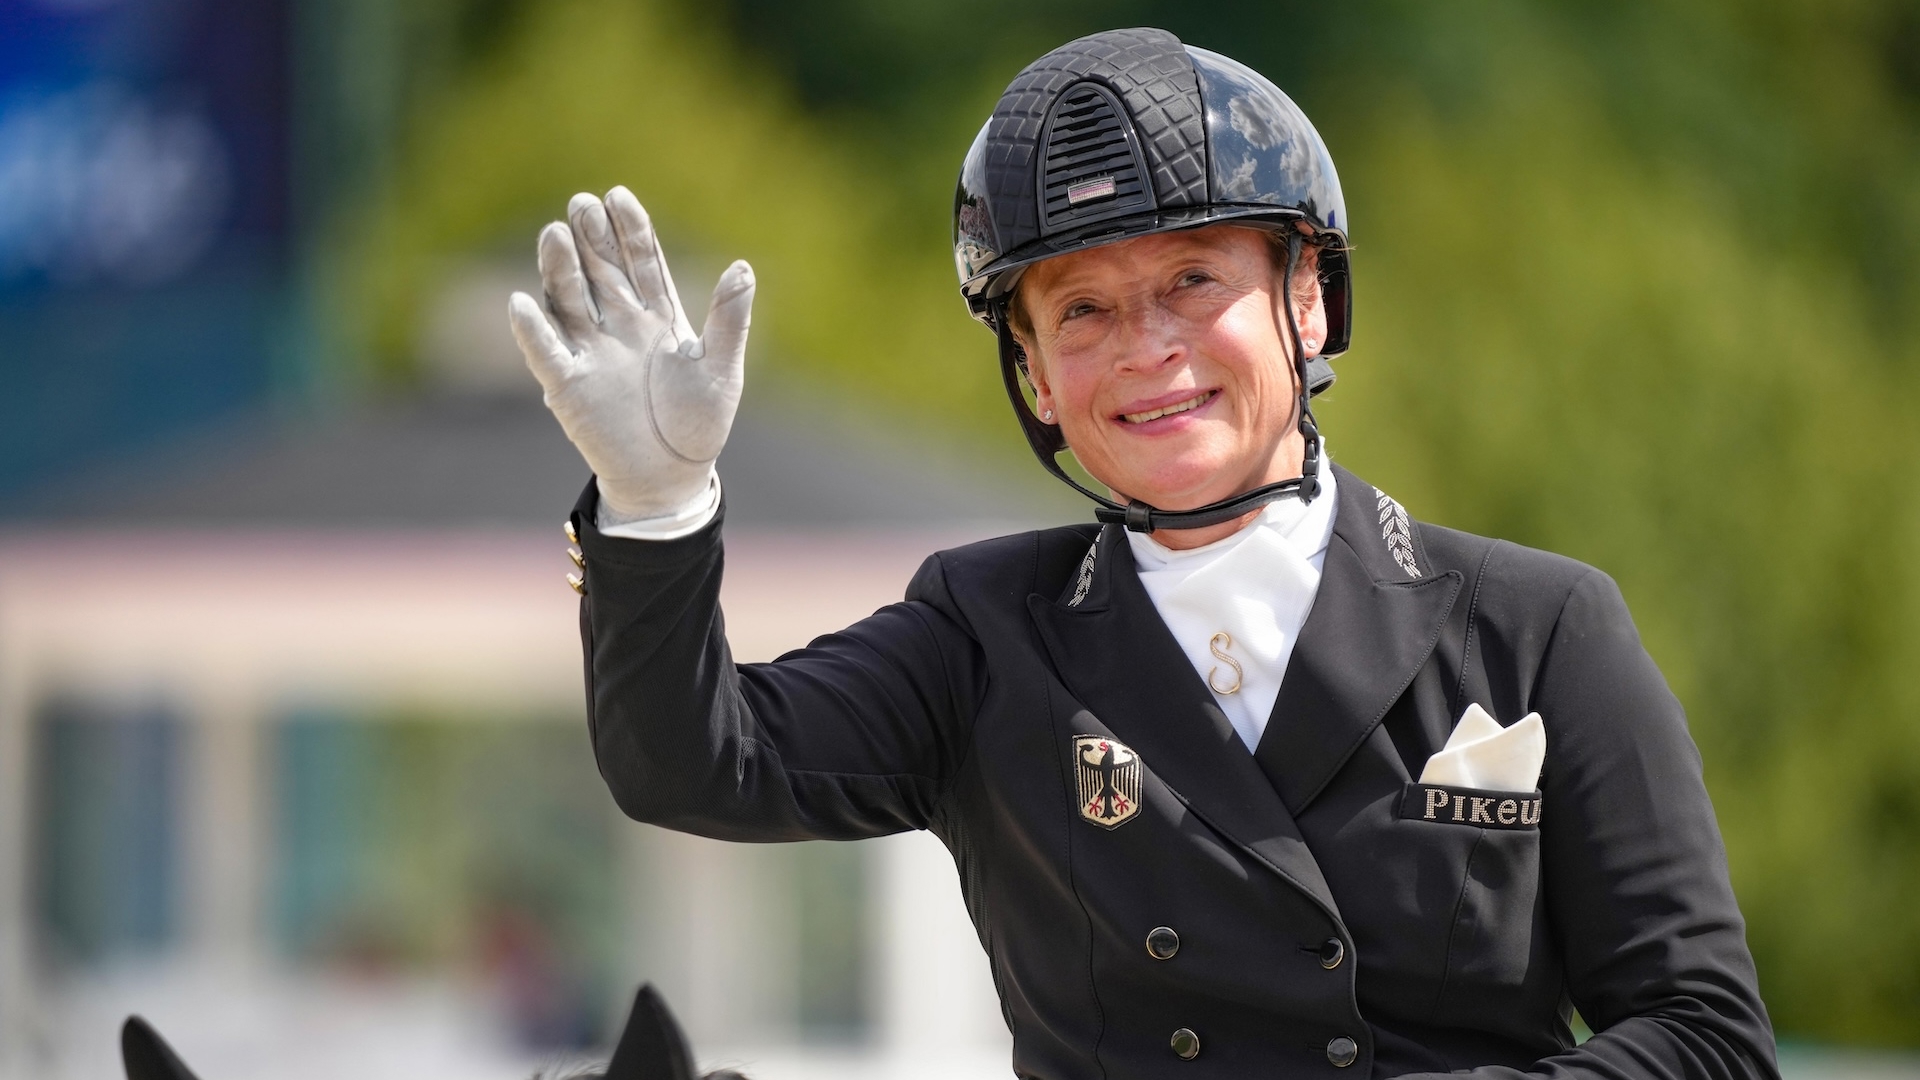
(1127, 133)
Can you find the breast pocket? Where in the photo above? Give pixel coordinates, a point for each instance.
(1490, 946)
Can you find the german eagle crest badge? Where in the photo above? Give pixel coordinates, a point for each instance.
(1109, 776)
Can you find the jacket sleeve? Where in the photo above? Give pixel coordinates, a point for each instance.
(1633, 867)
(855, 735)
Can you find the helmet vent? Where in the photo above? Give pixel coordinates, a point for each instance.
(1092, 168)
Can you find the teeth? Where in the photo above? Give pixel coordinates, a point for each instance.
(1155, 414)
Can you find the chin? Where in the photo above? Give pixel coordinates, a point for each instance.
(1184, 486)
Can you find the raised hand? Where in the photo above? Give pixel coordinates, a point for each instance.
(646, 402)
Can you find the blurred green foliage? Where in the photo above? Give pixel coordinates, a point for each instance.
(1634, 281)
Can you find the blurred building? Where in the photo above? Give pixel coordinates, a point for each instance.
(292, 752)
(295, 760)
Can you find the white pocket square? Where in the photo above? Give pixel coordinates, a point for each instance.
(1482, 754)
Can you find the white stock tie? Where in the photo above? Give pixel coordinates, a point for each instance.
(1236, 606)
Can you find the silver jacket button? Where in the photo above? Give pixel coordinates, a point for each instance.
(1162, 943)
(1331, 953)
(1186, 1045)
(1342, 1051)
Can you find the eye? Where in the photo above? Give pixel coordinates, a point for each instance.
(1077, 310)
(1195, 277)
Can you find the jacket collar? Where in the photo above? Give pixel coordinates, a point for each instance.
(1372, 627)
(1119, 660)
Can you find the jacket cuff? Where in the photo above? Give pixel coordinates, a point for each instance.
(613, 549)
(682, 521)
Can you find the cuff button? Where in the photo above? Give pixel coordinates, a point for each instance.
(1342, 1051)
(1162, 943)
(1186, 1045)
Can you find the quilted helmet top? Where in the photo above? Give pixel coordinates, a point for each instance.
(1130, 132)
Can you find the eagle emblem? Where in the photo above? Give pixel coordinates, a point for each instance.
(1109, 776)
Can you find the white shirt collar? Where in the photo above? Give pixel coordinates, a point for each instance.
(1236, 606)
(1307, 528)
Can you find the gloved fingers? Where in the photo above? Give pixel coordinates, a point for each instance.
(723, 342)
(600, 256)
(646, 265)
(547, 356)
(566, 284)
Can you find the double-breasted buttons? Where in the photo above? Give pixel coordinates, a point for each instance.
(1162, 943)
(1186, 1045)
(1331, 953)
(1342, 1051)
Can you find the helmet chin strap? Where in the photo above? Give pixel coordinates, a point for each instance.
(1048, 442)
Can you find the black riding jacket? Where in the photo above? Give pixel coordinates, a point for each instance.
(1317, 893)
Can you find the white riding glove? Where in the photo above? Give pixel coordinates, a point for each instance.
(644, 401)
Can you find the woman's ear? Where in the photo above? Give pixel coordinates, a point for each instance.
(1310, 308)
(1043, 405)
(1313, 328)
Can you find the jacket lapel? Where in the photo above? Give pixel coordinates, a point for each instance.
(1371, 628)
(1116, 655)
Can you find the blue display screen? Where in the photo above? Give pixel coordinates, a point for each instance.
(140, 140)
(144, 226)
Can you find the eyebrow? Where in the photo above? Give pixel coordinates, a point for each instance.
(1071, 280)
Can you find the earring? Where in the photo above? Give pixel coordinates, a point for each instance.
(1047, 416)
(1309, 343)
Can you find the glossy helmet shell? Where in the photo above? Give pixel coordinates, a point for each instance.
(1130, 132)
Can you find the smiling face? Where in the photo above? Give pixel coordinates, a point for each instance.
(1166, 362)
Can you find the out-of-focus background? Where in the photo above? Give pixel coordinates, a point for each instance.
(292, 757)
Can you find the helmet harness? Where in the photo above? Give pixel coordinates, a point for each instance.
(1129, 133)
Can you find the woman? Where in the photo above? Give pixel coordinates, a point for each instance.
(1222, 776)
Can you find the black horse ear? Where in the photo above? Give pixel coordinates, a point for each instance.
(147, 1056)
(652, 1046)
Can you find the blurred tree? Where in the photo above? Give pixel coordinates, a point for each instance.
(1635, 282)
(591, 93)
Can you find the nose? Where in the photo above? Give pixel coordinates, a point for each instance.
(1150, 337)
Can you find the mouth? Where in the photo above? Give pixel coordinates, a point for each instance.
(1188, 405)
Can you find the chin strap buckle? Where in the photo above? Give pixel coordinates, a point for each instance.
(1139, 517)
(1310, 467)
